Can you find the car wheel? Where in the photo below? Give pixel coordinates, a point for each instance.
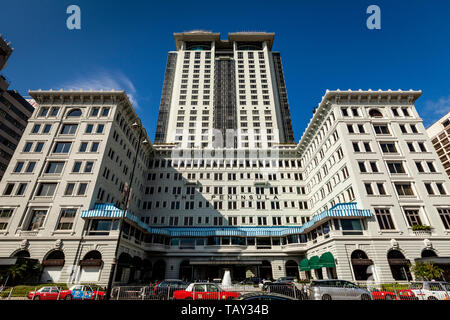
(432, 298)
(388, 297)
(365, 297)
(37, 298)
(68, 297)
(326, 297)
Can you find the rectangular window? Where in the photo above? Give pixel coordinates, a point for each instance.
(46, 190)
(404, 189)
(66, 218)
(384, 219)
(444, 213)
(396, 167)
(37, 219)
(69, 129)
(413, 217)
(62, 147)
(388, 147)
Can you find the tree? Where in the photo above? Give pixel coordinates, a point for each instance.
(25, 271)
(426, 271)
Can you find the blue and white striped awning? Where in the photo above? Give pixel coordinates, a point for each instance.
(342, 210)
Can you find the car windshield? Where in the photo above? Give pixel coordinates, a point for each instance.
(436, 287)
(416, 285)
(446, 286)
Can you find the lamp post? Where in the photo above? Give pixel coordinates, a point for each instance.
(122, 218)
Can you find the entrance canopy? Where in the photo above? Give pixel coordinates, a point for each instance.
(326, 260)
(221, 262)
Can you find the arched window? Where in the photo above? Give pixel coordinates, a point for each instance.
(399, 265)
(360, 263)
(426, 253)
(375, 113)
(93, 255)
(74, 113)
(22, 254)
(55, 254)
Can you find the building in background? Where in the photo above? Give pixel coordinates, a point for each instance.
(359, 197)
(14, 113)
(439, 133)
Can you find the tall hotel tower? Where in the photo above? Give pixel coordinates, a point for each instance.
(224, 185)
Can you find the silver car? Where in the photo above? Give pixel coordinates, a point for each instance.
(337, 290)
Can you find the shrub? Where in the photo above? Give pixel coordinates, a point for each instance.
(420, 227)
(22, 290)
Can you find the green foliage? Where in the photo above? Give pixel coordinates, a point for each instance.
(22, 291)
(426, 271)
(24, 272)
(417, 227)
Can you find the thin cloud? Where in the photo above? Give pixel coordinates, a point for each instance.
(434, 110)
(104, 81)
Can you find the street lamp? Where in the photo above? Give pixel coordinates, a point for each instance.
(112, 273)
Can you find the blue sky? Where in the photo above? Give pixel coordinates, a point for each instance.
(323, 44)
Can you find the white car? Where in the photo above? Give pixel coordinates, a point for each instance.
(431, 290)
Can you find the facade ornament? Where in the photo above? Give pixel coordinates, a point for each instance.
(24, 244)
(58, 244)
(428, 243)
(394, 244)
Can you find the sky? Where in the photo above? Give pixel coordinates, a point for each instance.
(123, 45)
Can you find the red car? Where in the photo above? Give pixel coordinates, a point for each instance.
(78, 292)
(383, 295)
(204, 291)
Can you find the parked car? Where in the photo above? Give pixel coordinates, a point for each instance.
(383, 295)
(426, 290)
(204, 291)
(287, 289)
(45, 293)
(337, 290)
(82, 292)
(264, 296)
(164, 289)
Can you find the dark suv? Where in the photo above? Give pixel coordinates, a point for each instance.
(164, 289)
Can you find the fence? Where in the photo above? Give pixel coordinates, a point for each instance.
(317, 290)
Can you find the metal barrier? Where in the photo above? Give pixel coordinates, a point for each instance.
(317, 290)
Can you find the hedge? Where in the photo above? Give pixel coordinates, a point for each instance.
(22, 290)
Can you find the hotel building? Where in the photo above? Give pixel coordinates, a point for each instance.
(224, 185)
(439, 133)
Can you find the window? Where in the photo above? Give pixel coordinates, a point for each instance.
(82, 189)
(54, 167)
(413, 217)
(404, 189)
(37, 219)
(88, 167)
(384, 219)
(94, 147)
(375, 113)
(100, 128)
(94, 112)
(444, 213)
(69, 129)
(69, 189)
(30, 167)
(429, 188)
(44, 112)
(21, 189)
(381, 189)
(66, 219)
(5, 215)
(83, 146)
(76, 167)
(62, 147)
(39, 147)
(46, 190)
(36, 128)
(419, 166)
(381, 128)
(27, 147)
(441, 188)
(105, 112)
(8, 189)
(74, 113)
(19, 167)
(89, 128)
(396, 167)
(388, 147)
(368, 187)
(47, 128)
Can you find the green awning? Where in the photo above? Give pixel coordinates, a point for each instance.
(304, 265)
(314, 262)
(327, 260)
